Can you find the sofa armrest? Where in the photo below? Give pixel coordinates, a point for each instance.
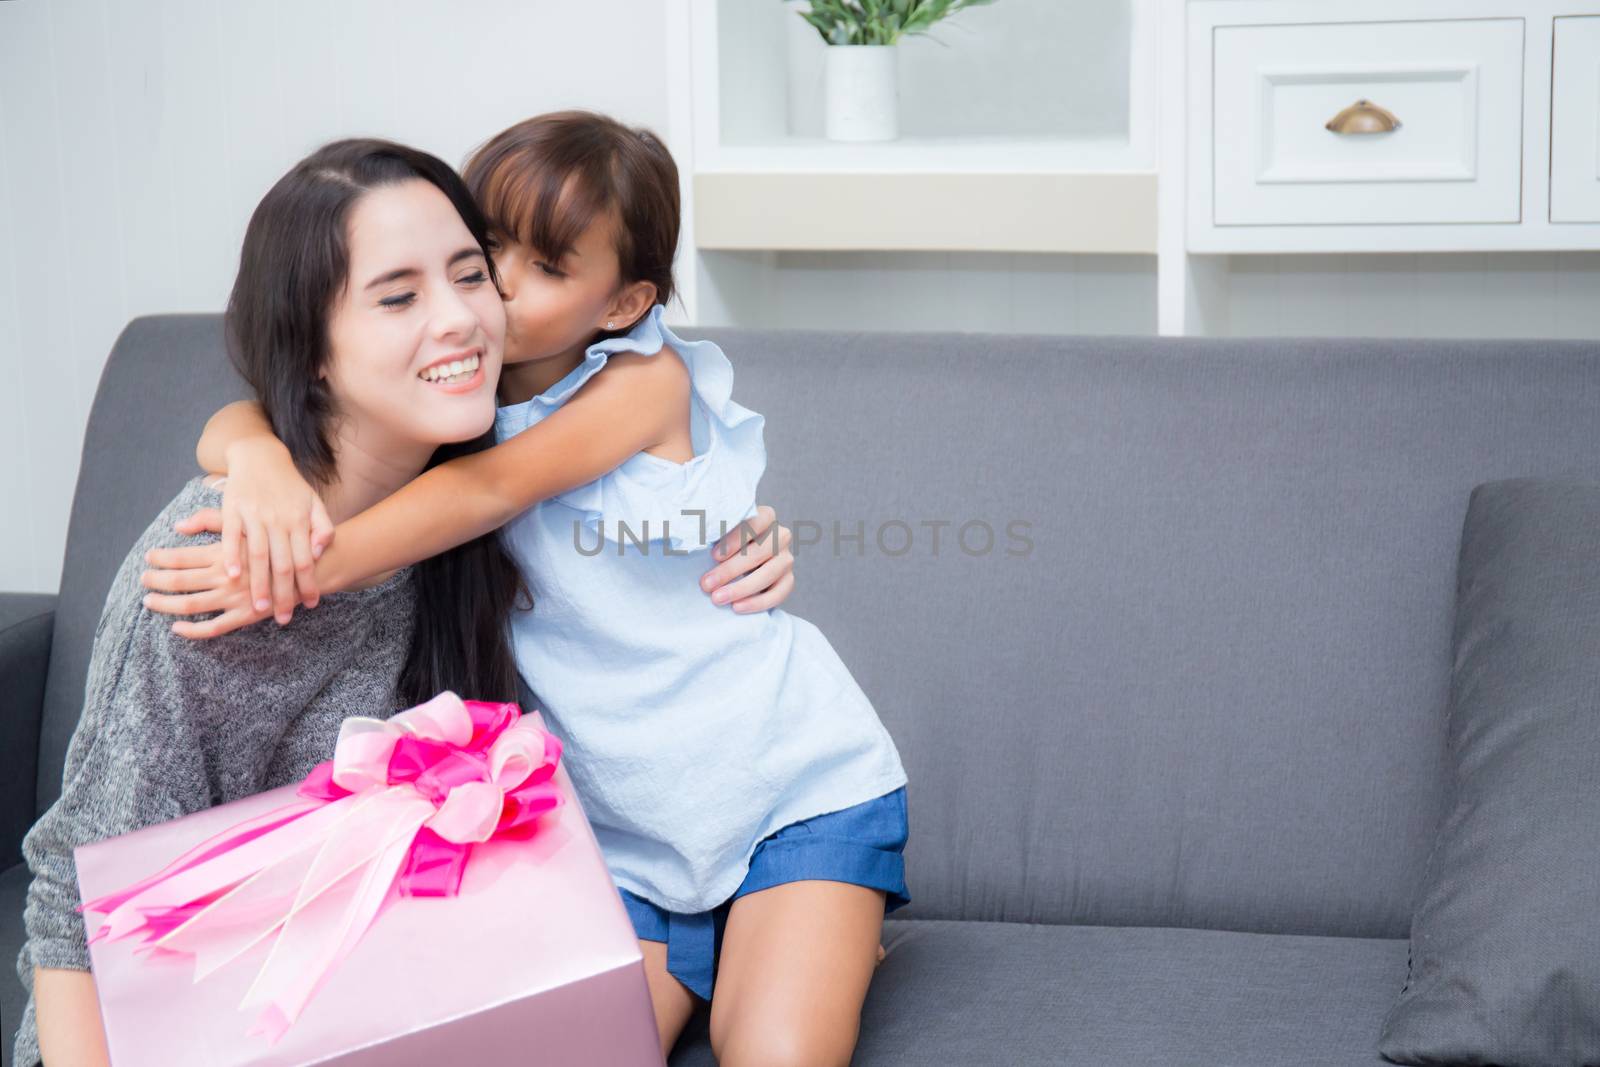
(26, 623)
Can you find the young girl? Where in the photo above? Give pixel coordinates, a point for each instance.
(751, 806)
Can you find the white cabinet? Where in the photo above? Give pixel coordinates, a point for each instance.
(1390, 126)
(1575, 121)
(1368, 122)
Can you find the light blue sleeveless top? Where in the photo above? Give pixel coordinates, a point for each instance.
(691, 731)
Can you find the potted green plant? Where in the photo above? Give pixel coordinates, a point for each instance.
(862, 69)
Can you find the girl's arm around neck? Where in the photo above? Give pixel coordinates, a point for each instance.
(268, 508)
(631, 404)
(241, 423)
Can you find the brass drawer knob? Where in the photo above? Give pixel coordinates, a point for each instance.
(1363, 116)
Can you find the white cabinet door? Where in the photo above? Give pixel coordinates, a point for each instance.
(1428, 118)
(1575, 121)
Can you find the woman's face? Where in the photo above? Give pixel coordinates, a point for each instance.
(416, 336)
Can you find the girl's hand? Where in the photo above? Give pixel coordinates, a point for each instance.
(760, 574)
(269, 510)
(194, 580)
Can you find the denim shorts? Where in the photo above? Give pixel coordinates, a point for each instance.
(863, 845)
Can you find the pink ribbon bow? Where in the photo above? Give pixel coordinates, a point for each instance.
(399, 806)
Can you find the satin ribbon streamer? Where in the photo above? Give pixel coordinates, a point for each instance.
(399, 806)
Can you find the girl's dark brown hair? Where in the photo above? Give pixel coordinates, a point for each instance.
(544, 180)
(294, 263)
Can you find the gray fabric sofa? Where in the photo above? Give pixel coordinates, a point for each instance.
(1175, 768)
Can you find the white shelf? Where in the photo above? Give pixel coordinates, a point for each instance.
(943, 211)
(1034, 133)
(950, 155)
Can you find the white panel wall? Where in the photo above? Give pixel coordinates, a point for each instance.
(1461, 294)
(1466, 294)
(137, 135)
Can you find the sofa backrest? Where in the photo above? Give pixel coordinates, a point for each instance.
(1201, 685)
(165, 376)
(1213, 693)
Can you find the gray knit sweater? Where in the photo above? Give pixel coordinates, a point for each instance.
(171, 726)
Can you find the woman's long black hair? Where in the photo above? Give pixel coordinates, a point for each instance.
(294, 263)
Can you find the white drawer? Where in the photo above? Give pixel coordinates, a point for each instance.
(1454, 87)
(1575, 121)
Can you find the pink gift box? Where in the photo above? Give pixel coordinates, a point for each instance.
(535, 961)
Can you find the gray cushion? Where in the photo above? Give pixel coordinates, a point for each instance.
(1016, 994)
(1505, 943)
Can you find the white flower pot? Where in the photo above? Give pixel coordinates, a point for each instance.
(863, 93)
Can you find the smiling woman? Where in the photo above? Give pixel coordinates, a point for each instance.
(363, 272)
(336, 353)
(367, 313)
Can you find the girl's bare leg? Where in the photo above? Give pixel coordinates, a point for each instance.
(796, 962)
(671, 999)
